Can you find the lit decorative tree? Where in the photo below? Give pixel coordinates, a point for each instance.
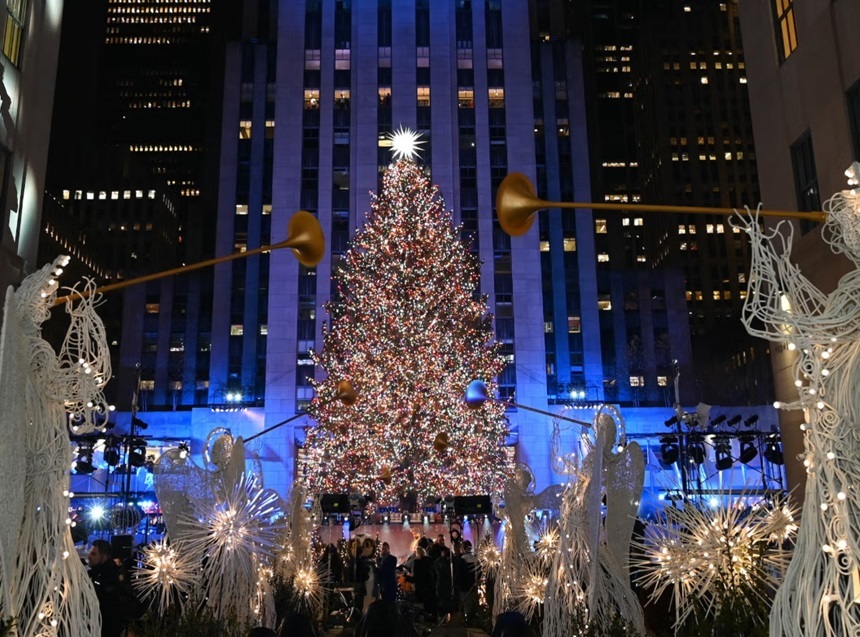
(406, 329)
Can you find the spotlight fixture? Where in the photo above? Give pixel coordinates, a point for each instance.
(84, 462)
(696, 449)
(112, 453)
(748, 450)
(749, 422)
(719, 420)
(137, 422)
(734, 420)
(773, 451)
(183, 450)
(672, 421)
(723, 454)
(137, 453)
(669, 450)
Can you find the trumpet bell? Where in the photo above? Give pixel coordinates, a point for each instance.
(516, 204)
(305, 237)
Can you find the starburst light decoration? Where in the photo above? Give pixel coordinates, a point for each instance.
(167, 577)
(822, 585)
(232, 540)
(531, 588)
(707, 557)
(405, 143)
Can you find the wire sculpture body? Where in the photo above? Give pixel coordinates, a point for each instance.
(42, 583)
(822, 586)
(589, 580)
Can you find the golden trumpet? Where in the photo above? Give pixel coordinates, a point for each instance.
(304, 236)
(517, 203)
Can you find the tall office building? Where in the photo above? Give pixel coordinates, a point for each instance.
(28, 63)
(134, 165)
(696, 148)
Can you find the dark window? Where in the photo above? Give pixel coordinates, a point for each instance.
(854, 117)
(805, 177)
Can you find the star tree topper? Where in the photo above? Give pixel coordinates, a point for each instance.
(405, 144)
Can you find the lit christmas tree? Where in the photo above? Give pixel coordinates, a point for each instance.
(407, 330)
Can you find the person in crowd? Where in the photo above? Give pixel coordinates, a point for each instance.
(104, 574)
(295, 625)
(444, 582)
(260, 631)
(466, 580)
(387, 569)
(511, 624)
(437, 546)
(381, 620)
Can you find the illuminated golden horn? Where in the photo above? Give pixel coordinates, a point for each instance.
(304, 236)
(346, 393)
(385, 475)
(517, 203)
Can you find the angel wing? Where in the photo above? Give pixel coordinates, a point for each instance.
(625, 478)
(179, 484)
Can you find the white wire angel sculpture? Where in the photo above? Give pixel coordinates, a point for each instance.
(821, 590)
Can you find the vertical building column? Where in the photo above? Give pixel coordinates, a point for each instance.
(226, 215)
(364, 104)
(444, 129)
(283, 296)
(404, 100)
(530, 353)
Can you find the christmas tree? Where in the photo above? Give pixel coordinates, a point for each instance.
(406, 328)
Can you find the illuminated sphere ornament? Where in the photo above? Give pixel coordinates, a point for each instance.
(476, 394)
(385, 475)
(346, 393)
(405, 144)
(441, 442)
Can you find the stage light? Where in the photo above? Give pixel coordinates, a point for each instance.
(773, 451)
(719, 420)
(84, 462)
(749, 422)
(137, 422)
(137, 453)
(111, 453)
(183, 450)
(96, 513)
(748, 450)
(734, 420)
(669, 450)
(696, 450)
(723, 454)
(672, 421)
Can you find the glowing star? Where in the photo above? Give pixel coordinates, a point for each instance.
(404, 143)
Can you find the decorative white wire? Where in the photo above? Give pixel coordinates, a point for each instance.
(231, 541)
(518, 494)
(42, 584)
(822, 586)
(707, 555)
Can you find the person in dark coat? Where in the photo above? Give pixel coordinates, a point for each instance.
(387, 569)
(104, 574)
(445, 599)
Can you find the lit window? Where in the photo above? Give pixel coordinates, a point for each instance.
(699, 296)
(312, 59)
(147, 385)
(691, 229)
(574, 324)
(600, 226)
(90, 195)
(638, 221)
(625, 221)
(709, 228)
(341, 59)
(544, 246)
(494, 58)
(152, 308)
(384, 95)
(423, 94)
(16, 14)
(547, 327)
(237, 330)
(569, 244)
(312, 99)
(703, 80)
(264, 330)
(150, 194)
(786, 32)
(720, 228)
(717, 295)
(683, 245)
(662, 381)
(65, 194)
(603, 302)
(682, 229)
(245, 129)
(637, 381)
(689, 295)
(466, 98)
(241, 208)
(114, 194)
(267, 209)
(602, 257)
(497, 97)
(641, 258)
(270, 129)
(422, 57)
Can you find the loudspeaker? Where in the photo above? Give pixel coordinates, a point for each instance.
(120, 547)
(335, 503)
(472, 505)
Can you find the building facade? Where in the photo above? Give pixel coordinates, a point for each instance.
(31, 39)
